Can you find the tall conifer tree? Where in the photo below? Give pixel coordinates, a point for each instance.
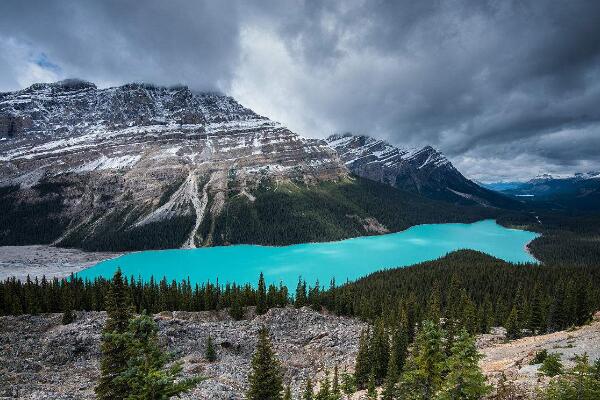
(265, 375)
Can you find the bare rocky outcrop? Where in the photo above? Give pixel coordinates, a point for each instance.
(42, 359)
(513, 358)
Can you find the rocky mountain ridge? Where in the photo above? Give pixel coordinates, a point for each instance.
(426, 171)
(579, 191)
(84, 159)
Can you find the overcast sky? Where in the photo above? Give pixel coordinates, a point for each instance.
(506, 89)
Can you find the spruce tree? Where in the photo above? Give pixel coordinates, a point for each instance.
(464, 379)
(265, 376)
(261, 296)
(558, 318)
(400, 342)
(236, 311)
(536, 317)
(422, 376)
(434, 304)
(308, 390)
(390, 391)
(513, 329)
(371, 387)
(300, 299)
(210, 352)
(288, 393)
(114, 345)
(348, 383)
(552, 365)
(363, 365)
(68, 314)
(324, 392)
(336, 392)
(146, 376)
(379, 349)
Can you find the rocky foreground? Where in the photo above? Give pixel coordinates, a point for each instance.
(514, 358)
(42, 359)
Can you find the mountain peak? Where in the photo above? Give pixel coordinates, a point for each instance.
(425, 171)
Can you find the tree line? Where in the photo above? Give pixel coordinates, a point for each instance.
(60, 295)
(477, 290)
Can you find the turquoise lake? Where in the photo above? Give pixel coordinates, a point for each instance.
(343, 260)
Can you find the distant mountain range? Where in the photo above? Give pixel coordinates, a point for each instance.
(141, 166)
(580, 191)
(425, 171)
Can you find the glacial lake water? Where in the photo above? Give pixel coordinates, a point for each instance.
(343, 260)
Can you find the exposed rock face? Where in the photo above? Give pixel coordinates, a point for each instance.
(41, 359)
(514, 358)
(425, 171)
(89, 161)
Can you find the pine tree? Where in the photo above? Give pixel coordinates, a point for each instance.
(68, 314)
(236, 311)
(391, 379)
(324, 392)
(210, 352)
(513, 330)
(300, 300)
(146, 377)
(558, 318)
(265, 376)
(434, 304)
(363, 365)
(552, 365)
(422, 376)
(379, 349)
(308, 390)
(348, 384)
(114, 346)
(464, 379)
(261, 296)
(336, 392)
(400, 342)
(371, 387)
(288, 393)
(536, 317)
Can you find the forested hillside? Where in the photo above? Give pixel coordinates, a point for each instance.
(289, 213)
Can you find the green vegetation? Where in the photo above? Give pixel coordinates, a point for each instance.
(539, 358)
(552, 365)
(41, 296)
(132, 365)
(210, 353)
(580, 383)
(288, 213)
(475, 291)
(265, 376)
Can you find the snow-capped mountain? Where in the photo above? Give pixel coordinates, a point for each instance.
(86, 161)
(425, 171)
(566, 191)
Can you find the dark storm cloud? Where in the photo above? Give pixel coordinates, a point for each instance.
(115, 41)
(506, 88)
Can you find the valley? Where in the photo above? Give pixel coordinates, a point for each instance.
(193, 196)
